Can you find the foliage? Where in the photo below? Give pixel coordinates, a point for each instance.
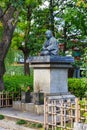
(25, 87)
(84, 65)
(14, 83)
(28, 28)
(21, 122)
(83, 104)
(38, 125)
(14, 70)
(10, 57)
(78, 87)
(35, 125)
(29, 124)
(1, 117)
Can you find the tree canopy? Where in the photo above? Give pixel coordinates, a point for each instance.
(24, 22)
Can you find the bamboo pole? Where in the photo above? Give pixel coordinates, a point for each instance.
(77, 111)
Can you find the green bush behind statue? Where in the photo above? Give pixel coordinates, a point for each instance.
(77, 86)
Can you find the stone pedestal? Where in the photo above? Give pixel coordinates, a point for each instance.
(51, 73)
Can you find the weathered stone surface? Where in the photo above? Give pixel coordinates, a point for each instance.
(51, 59)
(50, 73)
(80, 126)
(30, 107)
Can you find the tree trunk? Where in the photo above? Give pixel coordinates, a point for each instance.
(70, 72)
(8, 27)
(2, 71)
(51, 16)
(26, 66)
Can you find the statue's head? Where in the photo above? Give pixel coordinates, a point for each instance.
(48, 34)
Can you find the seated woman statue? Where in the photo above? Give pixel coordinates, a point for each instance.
(50, 46)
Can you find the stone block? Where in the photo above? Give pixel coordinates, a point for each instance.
(51, 73)
(17, 105)
(39, 109)
(30, 107)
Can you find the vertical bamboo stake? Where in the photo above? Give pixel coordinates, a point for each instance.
(6, 99)
(45, 112)
(71, 115)
(69, 110)
(52, 114)
(55, 120)
(64, 116)
(61, 113)
(77, 110)
(0, 99)
(9, 97)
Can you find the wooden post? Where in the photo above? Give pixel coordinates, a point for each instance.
(77, 110)
(45, 112)
(52, 105)
(55, 120)
(61, 114)
(64, 116)
(0, 99)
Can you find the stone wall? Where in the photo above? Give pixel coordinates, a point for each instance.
(80, 126)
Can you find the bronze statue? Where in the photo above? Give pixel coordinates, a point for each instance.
(50, 47)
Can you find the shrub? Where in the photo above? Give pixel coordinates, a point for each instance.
(39, 125)
(1, 117)
(33, 125)
(36, 125)
(78, 87)
(17, 70)
(14, 83)
(21, 122)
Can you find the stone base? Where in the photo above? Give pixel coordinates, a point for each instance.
(61, 96)
(30, 107)
(37, 108)
(80, 126)
(50, 73)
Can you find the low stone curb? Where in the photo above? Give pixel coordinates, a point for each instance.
(14, 118)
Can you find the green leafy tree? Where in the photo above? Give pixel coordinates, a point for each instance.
(24, 38)
(84, 65)
(9, 12)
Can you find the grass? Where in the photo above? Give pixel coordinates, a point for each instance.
(29, 124)
(34, 125)
(21, 122)
(2, 117)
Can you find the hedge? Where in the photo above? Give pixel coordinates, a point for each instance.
(15, 83)
(76, 86)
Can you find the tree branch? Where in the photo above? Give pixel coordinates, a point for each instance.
(1, 12)
(16, 19)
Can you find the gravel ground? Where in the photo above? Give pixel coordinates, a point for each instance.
(11, 125)
(2, 128)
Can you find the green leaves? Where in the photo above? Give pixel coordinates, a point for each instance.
(78, 87)
(17, 3)
(13, 83)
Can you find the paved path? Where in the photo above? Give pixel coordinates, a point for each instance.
(2, 128)
(10, 112)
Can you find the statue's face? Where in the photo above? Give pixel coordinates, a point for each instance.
(48, 34)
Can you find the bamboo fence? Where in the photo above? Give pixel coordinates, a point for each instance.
(61, 113)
